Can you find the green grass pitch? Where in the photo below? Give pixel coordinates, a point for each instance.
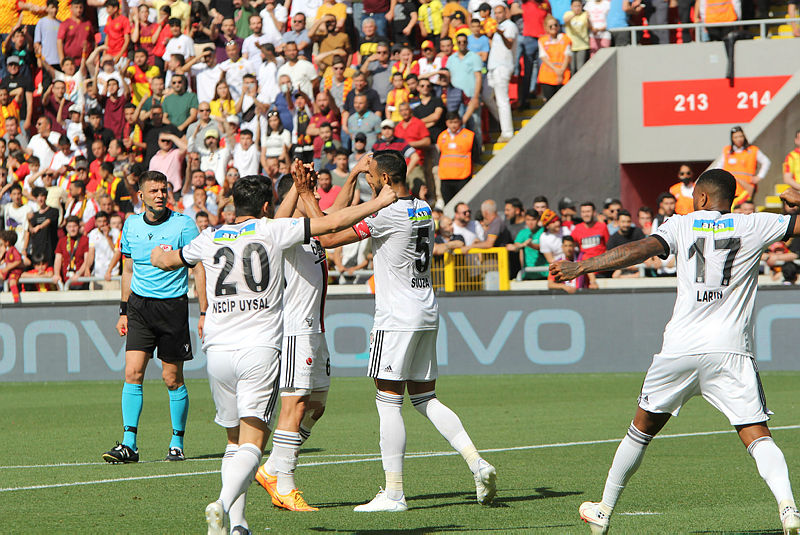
(551, 438)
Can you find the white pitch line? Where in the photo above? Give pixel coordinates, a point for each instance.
(640, 513)
(368, 457)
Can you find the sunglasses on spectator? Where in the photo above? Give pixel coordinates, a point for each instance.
(684, 173)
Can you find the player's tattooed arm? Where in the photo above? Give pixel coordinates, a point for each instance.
(626, 255)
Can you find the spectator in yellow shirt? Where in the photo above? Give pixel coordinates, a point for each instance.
(449, 25)
(396, 96)
(337, 9)
(431, 20)
(488, 24)
(791, 165)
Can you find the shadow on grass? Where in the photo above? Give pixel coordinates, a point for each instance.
(744, 532)
(422, 531)
(502, 500)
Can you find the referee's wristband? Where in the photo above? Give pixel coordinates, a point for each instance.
(123, 308)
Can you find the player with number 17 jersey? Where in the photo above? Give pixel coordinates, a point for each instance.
(718, 256)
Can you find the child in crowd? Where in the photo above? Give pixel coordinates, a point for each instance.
(396, 96)
(599, 37)
(40, 270)
(11, 269)
(576, 26)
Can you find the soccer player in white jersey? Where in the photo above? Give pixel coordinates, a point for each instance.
(403, 339)
(305, 362)
(708, 343)
(244, 324)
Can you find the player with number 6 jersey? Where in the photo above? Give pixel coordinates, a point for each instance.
(244, 325)
(708, 343)
(403, 339)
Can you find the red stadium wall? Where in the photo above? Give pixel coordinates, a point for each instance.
(642, 183)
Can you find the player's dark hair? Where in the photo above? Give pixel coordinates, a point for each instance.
(516, 203)
(718, 183)
(72, 219)
(392, 163)
(9, 236)
(285, 184)
(152, 176)
(250, 193)
(789, 271)
(588, 203)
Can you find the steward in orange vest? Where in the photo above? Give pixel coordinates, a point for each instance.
(683, 191)
(555, 61)
(455, 160)
(742, 160)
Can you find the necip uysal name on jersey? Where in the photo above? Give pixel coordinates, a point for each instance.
(225, 306)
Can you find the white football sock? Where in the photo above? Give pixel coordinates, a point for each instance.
(285, 449)
(449, 425)
(237, 509)
(772, 467)
(393, 441)
(239, 473)
(626, 462)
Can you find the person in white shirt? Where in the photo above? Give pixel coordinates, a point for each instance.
(267, 74)
(403, 340)
(80, 205)
(103, 248)
(273, 20)
(302, 73)
(206, 74)
(307, 7)
(44, 144)
(213, 158)
(251, 47)
(501, 67)
(550, 239)
(246, 154)
(242, 343)
(15, 216)
(465, 226)
(708, 342)
(179, 43)
(235, 68)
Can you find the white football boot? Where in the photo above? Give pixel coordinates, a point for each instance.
(485, 482)
(596, 518)
(382, 503)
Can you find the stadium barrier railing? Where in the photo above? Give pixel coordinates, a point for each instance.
(761, 23)
(475, 270)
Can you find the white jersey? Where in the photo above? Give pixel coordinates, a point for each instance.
(403, 247)
(717, 259)
(306, 273)
(244, 280)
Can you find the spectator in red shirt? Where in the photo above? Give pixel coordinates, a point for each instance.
(56, 106)
(416, 134)
(325, 111)
(114, 105)
(100, 153)
(591, 236)
(76, 34)
(117, 30)
(326, 190)
(71, 253)
(13, 262)
(533, 14)
(388, 141)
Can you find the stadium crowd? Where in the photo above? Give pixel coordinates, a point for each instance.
(95, 92)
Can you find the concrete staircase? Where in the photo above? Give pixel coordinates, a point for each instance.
(521, 118)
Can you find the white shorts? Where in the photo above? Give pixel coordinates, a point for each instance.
(244, 384)
(305, 364)
(403, 355)
(728, 381)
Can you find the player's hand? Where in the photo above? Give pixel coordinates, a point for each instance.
(363, 164)
(302, 178)
(122, 325)
(791, 197)
(107, 276)
(387, 196)
(200, 324)
(564, 271)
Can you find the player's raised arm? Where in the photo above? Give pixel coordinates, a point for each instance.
(344, 218)
(626, 255)
(166, 260)
(345, 197)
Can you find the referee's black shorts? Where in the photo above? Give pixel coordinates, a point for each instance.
(161, 324)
